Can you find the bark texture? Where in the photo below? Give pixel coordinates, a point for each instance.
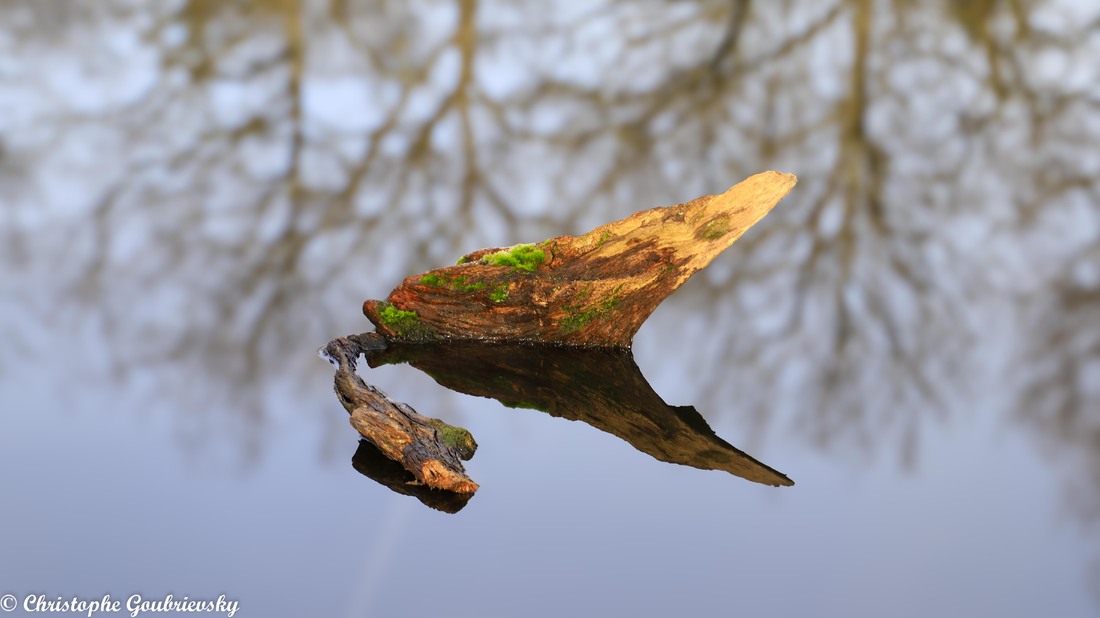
(595, 289)
(371, 462)
(428, 448)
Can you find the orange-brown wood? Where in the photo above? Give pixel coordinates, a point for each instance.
(595, 289)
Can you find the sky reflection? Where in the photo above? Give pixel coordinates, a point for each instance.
(195, 195)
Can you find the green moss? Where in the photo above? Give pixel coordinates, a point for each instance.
(576, 319)
(432, 280)
(578, 316)
(405, 324)
(521, 257)
(462, 260)
(398, 319)
(456, 438)
(716, 228)
(499, 293)
(606, 236)
(459, 282)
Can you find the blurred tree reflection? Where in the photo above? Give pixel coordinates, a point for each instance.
(225, 182)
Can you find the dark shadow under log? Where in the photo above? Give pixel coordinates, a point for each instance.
(428, 448)
(601, 387)
(372, 463)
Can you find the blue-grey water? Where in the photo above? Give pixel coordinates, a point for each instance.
(103, 499)
(195, 196)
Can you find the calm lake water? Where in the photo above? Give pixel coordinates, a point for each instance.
(194, 197)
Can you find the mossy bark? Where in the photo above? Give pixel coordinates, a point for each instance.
(595, 289)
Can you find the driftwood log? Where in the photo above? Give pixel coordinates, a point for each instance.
(428, 448)
(595, 289)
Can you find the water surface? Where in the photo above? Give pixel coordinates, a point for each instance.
(194, 197)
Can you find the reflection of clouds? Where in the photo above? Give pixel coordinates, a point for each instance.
(216, 187)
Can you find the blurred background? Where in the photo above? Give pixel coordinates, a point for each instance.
(195, 195)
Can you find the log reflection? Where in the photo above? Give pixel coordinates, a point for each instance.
(601, 387)
(372, 463)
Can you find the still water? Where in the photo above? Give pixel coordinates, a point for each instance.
(101, 500)
(196, 196)
(569, 519)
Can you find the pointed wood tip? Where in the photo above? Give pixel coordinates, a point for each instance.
(779, 179)
(749, 200)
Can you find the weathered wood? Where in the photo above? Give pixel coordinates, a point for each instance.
(428, 448)
(590, 290)
(601, 387)
(372, 463)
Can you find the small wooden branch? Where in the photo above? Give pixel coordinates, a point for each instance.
(591, 290)
(428, 448)
(375, 465)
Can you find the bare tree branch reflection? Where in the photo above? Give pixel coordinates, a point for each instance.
(194, 179)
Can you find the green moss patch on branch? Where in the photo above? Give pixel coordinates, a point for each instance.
(398, 319)
(521, 257)
(715, 228)
(405, 324)
(579, 315)
(456, 438)
(460, 283)
(499, 293)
